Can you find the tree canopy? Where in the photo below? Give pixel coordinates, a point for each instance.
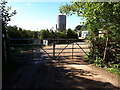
(5, 11)
(104, 17)
(5, 15)
(78, 27)
(98, 15)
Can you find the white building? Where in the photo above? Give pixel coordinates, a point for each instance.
(45, 42)
(84, 34)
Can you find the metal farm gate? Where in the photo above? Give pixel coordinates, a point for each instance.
(36, 49)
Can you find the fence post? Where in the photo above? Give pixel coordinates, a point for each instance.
(72, 49)
(32, 51)
(53, 50)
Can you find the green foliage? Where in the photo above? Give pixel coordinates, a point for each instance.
(78, 27)
(84, 28)
(46, 34)
(100, 16)
(19, 52)
(71, 34)
(98, 62)
(62, 35)
(114, 70)
(5, 16)
(6, 12)
(15, 32)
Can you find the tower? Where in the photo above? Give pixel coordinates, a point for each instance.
(61, 22)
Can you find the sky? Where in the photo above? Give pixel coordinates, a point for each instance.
(36, 15)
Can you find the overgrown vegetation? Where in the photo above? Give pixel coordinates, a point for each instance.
(5, 16)
(17, 32)
(50, 34)
(104, 17)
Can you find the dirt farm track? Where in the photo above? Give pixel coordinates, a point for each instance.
(62, 73)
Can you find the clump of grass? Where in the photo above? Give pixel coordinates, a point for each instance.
(114, 70)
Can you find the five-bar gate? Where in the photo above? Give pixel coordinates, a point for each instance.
(56, 48)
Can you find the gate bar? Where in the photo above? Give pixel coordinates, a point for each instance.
(61, 51)
(46, 52)
(81, 49)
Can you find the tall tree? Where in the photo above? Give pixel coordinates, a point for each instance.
(78, 27)
(71, 34)
(5, 16)
(99, 16)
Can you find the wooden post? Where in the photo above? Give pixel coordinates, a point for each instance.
(53, 50)
(105, 52)
(72, 49)
(32, 50)
(8, 48)
(32, 54)
(106, 49)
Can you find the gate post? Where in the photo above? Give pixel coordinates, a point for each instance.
(72, 49)
(54, 51)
